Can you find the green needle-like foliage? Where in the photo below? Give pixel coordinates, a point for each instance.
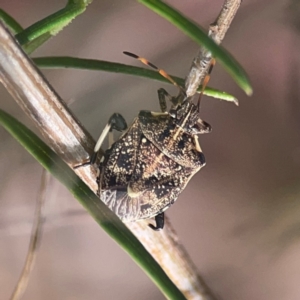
(100, 65)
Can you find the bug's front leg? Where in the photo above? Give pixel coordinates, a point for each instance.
(160, 222)
(115, 122)
(163, 95)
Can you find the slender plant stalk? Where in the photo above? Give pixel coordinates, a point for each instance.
(100, 65)
(10, 22)
(197, 34)
(42, 34)
(38, 33)
(53, 23)
(217, 31)
(35, 239)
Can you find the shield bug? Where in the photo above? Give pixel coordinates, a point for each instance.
(145, 170)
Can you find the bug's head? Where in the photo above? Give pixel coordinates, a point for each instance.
(187, 117)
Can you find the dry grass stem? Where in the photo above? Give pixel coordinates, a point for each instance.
(35, 239)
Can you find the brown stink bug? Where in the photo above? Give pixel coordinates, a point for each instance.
(145, 170)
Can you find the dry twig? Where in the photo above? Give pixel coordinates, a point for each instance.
(35, 239)
(217, 31)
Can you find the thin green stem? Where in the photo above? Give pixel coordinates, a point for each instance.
(10, 22)
(52, 24)
(99, 65)
(36, 43)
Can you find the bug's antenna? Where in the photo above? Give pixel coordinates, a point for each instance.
(160, 71)
(205, 81)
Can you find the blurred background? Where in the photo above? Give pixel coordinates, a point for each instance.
(239, 217)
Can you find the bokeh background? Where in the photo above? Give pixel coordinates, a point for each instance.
(239, 217)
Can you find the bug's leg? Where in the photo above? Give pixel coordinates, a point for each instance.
(175, 100)
(201, 127)
(162, 96)
(115, 122)
(160, 221)
(111, 139)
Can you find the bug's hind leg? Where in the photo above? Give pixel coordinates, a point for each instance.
(115, 122)
(160, 222)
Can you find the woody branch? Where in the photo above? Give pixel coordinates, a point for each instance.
(217, 31)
